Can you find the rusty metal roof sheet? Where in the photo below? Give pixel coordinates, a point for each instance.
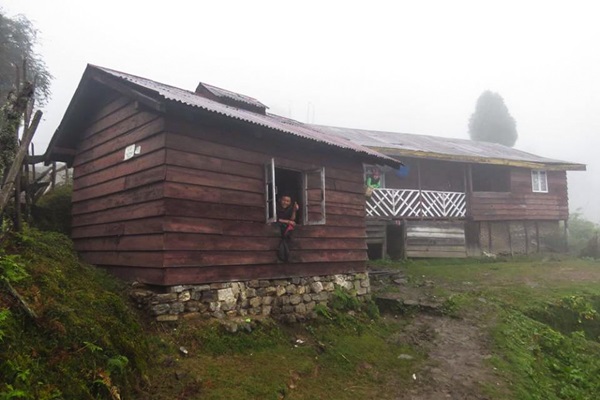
(411, 145)
(217, 91)
(268, 121)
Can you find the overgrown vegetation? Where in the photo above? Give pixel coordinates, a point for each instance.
(542, 316)
(343, 354)
(52, 212)
(85, 343)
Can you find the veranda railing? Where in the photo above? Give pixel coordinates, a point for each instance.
(416, 203)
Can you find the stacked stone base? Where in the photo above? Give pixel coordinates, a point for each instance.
(292, 299)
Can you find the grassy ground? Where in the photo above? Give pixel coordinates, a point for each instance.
(535, 318)
(540, 315)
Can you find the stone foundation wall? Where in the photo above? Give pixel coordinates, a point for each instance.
(292, 299)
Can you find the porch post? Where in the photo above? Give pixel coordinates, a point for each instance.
(420, 204)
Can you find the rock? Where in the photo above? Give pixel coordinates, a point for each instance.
(255, 302)
(184, 296)
(280, 290)
(160, 309)
(176, 308)
(405, 357)
(167, 318)
(192, 316)
(329, 286)
(316, 287)
(291, 289)
(300, 309)
(226, 295)
(295, 299)
(166, 297)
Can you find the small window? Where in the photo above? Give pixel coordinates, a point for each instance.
(374, 177)
(490, 178)
(539, 181)
(307, 188)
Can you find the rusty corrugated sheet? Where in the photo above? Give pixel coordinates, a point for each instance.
(405, 144)
(268, 121)
(217, 91)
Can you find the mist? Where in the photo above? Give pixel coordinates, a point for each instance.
(412, 67)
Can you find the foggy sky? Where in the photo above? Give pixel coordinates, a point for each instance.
(403, 66)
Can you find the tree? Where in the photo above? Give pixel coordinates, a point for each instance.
(491, 121)
(18, 57)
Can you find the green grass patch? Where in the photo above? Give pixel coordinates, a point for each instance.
(86, 341)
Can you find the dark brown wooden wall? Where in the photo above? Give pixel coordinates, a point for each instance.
(191, 207)
(521, 203)
(215, 226)
(118, 205)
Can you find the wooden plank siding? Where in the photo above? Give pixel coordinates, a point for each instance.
(521, 203)
(118, 204)
(190, 208)
(215, 227)
(435, 239)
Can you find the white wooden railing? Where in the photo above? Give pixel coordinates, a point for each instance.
(416, 203)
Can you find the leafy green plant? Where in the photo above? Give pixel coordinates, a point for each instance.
(11, 268)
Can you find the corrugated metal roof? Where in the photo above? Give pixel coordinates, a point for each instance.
(268, 121)
(217, 91)
(445, 148)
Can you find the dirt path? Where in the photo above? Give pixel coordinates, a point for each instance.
(457, 349)
(457, 353)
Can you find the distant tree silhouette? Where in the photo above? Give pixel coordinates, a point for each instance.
(18, 40)
(491, 121)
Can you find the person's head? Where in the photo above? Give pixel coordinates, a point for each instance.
(285, 200)
(375, 173)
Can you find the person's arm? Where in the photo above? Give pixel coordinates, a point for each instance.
(292, 217)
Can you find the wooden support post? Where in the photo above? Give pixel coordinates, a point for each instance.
(53, 176)
(420, 202)
(489, 226)
(566, 232)
(9, 184)
(510, 247)
(17, 222)
(537, 236)
(526, 237)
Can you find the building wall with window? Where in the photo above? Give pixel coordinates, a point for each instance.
(531, 195)
(192, 205)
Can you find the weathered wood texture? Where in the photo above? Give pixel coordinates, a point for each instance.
(521, 203)
(435, 239)
(377, 235)
(521, 237)
(215, 207)
(118, 204)
(190, 208)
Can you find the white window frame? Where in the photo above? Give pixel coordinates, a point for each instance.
(539, 181)
(271, 194)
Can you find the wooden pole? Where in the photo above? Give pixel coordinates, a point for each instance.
(53, 176)
(9, 183)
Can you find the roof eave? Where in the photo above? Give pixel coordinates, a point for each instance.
(551, 166)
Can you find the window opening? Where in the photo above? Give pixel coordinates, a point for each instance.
(539, 181)
(307, 188)
(374, 177)
(490, 178)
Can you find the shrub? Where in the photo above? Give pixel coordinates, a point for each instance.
(52, 212)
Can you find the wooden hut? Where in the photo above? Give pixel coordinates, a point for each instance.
(174, 187)
(455, 197)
